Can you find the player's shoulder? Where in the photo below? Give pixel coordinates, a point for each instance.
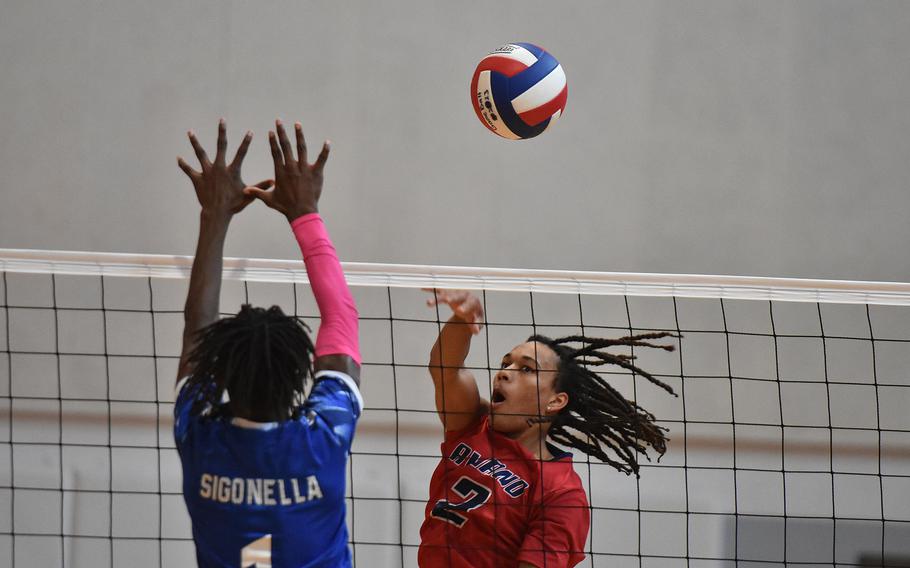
(340, 377)
(560, 477)
(567, 483)
(181, 389)
(564, 491)
(330, 381)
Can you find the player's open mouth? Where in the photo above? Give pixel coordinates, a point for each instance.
(497, 398)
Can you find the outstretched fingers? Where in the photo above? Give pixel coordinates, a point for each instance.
(436, 298)
(222, 143)
(193, 174)
(323, 156)
(464, 305)
(441, 296)
(285, 143)
(301, 143)
(276, 152)
(241, 150)
(197, 147)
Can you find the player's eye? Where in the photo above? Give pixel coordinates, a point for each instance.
(504, 364)
(526, 369)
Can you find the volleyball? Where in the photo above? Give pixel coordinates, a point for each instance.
(518, 90)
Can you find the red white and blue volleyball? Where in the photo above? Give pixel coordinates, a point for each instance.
(519, 90)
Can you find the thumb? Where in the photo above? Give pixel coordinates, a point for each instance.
(259, 190)
(261, 194)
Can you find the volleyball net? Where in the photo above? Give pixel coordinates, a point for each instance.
(789, 440)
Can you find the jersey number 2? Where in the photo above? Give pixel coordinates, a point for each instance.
(474, 495)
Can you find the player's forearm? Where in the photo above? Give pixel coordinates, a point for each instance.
(458, 401)
(204, 293)
(451, 348)
(338, 330)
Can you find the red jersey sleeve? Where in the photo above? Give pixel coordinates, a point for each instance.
(558, 531)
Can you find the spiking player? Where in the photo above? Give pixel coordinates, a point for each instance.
(503, 496)
(263, 465)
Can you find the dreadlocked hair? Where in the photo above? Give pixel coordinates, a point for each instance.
(260, 356)
(597, 418)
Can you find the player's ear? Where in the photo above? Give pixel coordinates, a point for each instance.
(557, 402)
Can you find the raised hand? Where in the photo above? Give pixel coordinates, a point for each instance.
(465, 306)
(219, 186)
(298, 184)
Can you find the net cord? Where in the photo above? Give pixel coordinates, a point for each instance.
(74, 263)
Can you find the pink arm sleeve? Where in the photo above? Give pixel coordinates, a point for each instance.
(338, 330)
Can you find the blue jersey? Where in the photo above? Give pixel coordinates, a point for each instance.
(270, 494)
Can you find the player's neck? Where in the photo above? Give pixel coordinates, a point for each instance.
(261, 416)
(534, 439)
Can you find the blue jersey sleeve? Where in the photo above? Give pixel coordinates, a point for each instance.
(187, 395)
(336, 401)
(183, 404)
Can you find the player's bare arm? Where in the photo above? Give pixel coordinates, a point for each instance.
(219, 188)
(458, 400)
(298, 187)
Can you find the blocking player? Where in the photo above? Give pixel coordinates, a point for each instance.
(264, 465)
(503, 495)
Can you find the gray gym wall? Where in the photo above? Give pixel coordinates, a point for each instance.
(760, 137)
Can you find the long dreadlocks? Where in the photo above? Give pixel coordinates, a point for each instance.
(261, 357)
(604, 418)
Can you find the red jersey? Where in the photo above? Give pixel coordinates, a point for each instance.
(492, 504)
